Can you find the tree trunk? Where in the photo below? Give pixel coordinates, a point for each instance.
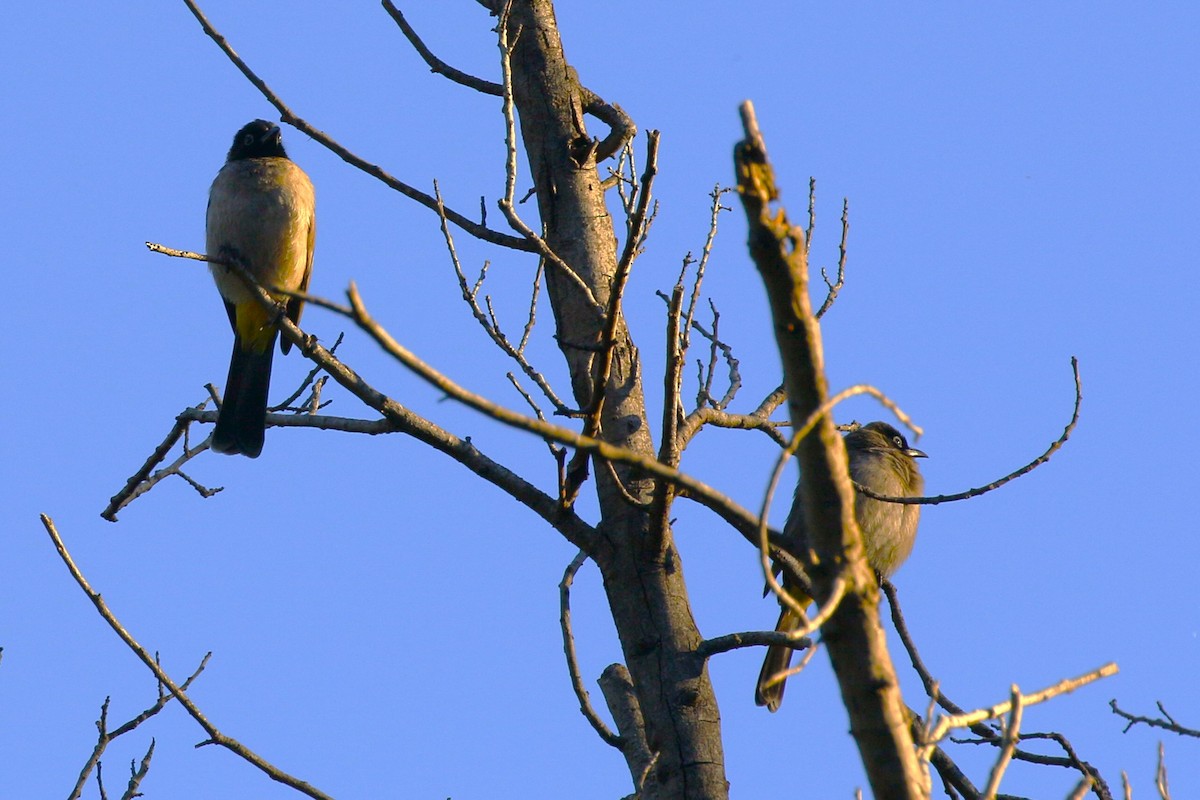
(642, 572)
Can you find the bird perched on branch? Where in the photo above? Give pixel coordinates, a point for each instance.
(881, 460)
(261, 214)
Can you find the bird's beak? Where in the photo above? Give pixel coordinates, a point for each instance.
(271, 134)
(913, 452)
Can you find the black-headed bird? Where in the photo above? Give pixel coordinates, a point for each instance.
(881, 460)
(262, 213)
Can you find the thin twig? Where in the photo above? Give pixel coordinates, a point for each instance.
(310, 406)
(533, 298)
(835, 286)
(715, 210)
(489, 325)
(1160, 774)
(623, 490)
(138, 775)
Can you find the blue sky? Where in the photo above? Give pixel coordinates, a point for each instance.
(1022, 186)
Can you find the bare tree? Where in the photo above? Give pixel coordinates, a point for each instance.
(660, 697)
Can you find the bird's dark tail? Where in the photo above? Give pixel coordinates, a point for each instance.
(769, 689)
(242, 420)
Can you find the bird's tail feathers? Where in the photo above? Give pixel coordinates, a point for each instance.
(771, 682)
(242, 419)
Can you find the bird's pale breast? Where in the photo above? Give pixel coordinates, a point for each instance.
(261, 209)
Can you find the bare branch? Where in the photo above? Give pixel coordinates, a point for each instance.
(740, 518)
(986, 734)
(701, 266)
(533, 298)
(1160, 774)
(488, 323)
(835, 286)
(145, 478)
(1065, 686)
(436, 65)
(286, 115)
(564, 621)
(723, 419)
(1037, 462)
(215, 735)
(1008, 743)
(507, 206)
(138, 775)
(736, 641)
(622, 128)
(626, 495)
(620, 125)
(855, 639)
(1166, 721)
(401, 419)
(311, 405)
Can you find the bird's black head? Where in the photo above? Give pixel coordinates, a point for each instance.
(258, 139)
(894, 438)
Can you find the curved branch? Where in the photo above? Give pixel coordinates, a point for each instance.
(621, 128)
(1037, 462)
(564, 621)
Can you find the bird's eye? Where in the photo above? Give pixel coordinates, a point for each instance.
(248, 139)
(899, 442)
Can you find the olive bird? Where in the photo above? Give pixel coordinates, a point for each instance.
(881, 460)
